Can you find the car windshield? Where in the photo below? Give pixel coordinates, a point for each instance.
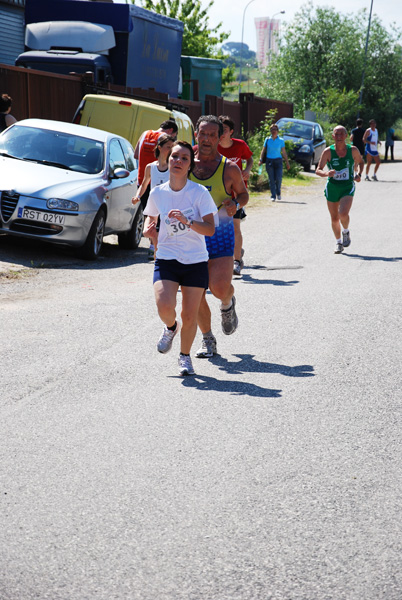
(53, 148)
(300, 130)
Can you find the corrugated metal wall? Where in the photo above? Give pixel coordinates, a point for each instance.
(11, 32)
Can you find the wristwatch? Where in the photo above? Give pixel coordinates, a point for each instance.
(189, 222)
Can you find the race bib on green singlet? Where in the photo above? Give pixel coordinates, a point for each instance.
(342, 175)
(175, 227)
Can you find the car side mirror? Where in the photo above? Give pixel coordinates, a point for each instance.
(120, 173)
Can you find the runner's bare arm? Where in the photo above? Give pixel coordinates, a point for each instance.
(204, 227)
(325, 157)
(366, 134)
(150, 227)
(359, 162)
(247, 170)
(234, 183)
(143, 186)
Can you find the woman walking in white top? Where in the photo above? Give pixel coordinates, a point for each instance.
(186, 211)
(155, 174)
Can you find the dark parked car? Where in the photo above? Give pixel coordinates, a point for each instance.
(308, 139)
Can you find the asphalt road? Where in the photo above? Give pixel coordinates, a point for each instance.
(274, 473)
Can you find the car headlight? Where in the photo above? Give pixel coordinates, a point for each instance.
(305, 148)
(62, 204)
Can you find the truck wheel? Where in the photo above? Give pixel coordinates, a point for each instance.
(92, 247)
(129, 240)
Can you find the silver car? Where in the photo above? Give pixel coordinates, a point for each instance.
(68, 184)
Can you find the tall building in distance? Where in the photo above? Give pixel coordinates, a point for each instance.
(267, 31)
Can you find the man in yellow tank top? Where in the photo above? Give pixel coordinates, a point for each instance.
(222, 178)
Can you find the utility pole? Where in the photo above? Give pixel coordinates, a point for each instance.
(365, 60)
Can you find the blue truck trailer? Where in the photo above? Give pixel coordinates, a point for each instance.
(121, 43)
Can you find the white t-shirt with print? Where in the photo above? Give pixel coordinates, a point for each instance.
(177, 241)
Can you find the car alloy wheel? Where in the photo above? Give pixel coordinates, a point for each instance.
(129, 240)
(92, 247)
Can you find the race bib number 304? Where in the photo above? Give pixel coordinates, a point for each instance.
(175, 227)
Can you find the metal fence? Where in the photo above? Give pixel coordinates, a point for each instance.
(51, 96)
(39, 94)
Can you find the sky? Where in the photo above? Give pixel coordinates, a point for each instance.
(230, 13)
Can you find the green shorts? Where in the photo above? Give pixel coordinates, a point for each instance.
(334, 192)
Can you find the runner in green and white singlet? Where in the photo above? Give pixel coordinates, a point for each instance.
(342, 183)
(337, 163)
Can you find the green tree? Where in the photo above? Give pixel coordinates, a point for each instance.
(320, 65)
(199, 39)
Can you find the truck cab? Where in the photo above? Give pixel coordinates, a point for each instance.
(69, 46)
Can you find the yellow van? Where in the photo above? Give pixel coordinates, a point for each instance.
(129, 118)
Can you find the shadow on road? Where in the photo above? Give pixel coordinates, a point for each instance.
(288, 202)
(246, 364)
(40, 255)
(236, 388)
(386, 181)
(248, 279)
(383, 258)
(265, 268)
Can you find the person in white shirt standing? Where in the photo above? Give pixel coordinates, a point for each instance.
(186, 211)
(371, 140)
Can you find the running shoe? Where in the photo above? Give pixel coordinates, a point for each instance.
(338, 249)
(273, 198)
(279, 197)
(229, 319)
(367, 178)
(166, 339)
(237, 267)
(346, 239)
(375, 178)
(208, 347)
(185, 366)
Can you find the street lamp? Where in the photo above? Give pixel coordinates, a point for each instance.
(282, 12)
(241, 47)
(365, 60)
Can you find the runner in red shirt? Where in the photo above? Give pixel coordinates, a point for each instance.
(236, 150)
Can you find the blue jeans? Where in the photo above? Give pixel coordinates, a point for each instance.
(274, 168)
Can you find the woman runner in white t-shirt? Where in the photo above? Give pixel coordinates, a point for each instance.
(186, 211)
